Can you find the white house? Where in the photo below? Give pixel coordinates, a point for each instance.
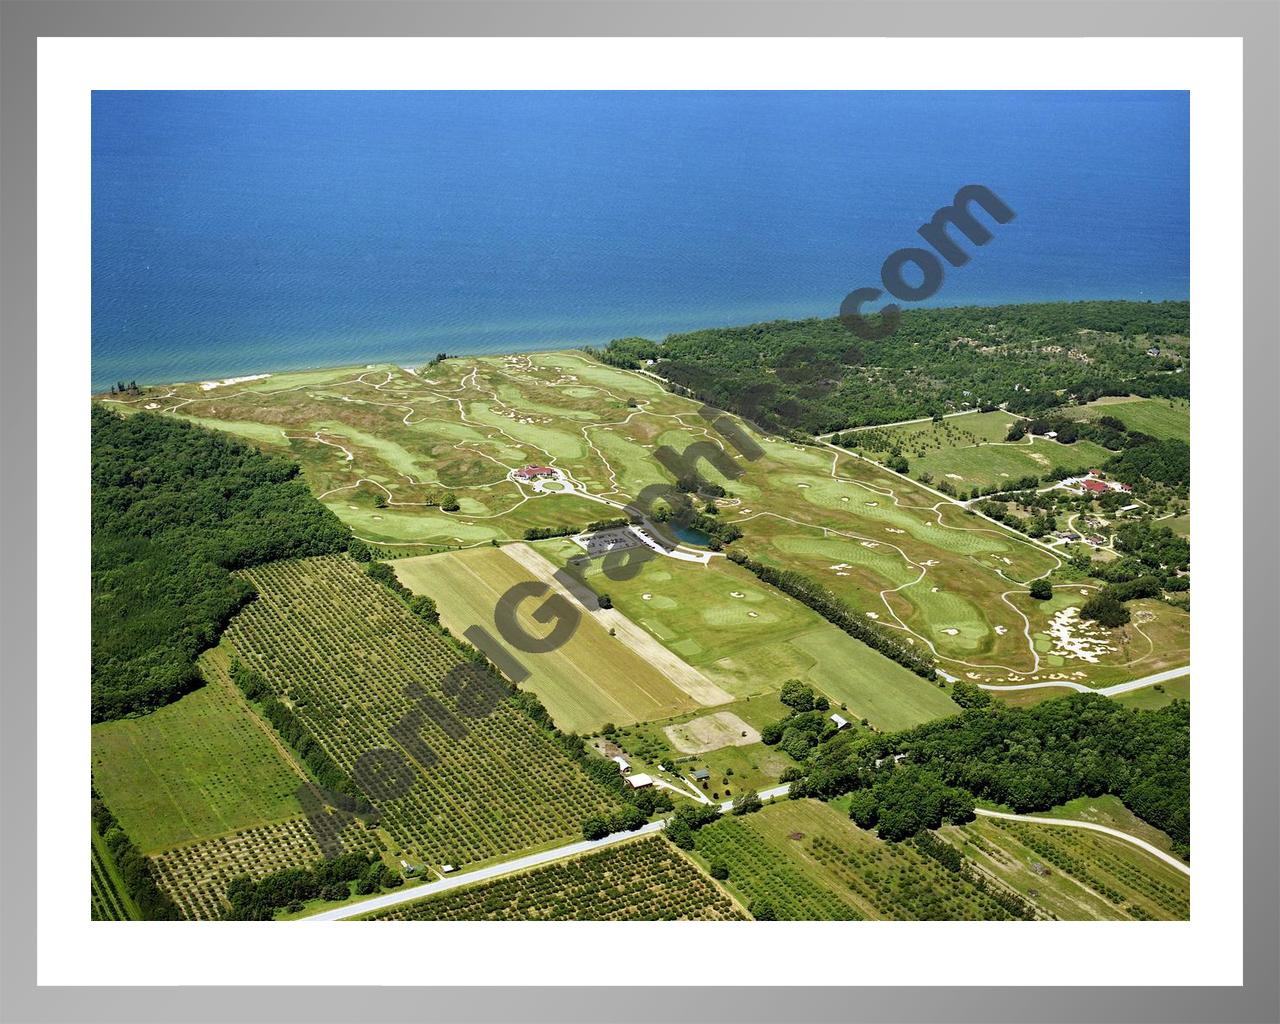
(639, 781)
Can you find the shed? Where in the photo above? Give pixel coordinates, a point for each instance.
(841, 722)
(639, 781)
(623, 764)
(702, 775)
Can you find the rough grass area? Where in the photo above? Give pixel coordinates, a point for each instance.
(1075, 874)
(1159, 417)
(200, 767)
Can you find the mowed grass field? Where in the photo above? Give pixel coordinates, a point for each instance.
(990, 464)
(971, 451)
(750, 638)
(1159, 417)
(1151, 697)
(198, 768)
(592, 679)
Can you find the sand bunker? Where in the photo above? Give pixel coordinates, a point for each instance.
(736, 593)
(209, 385)
(872, 615)
(646, 597)
(711, 732)
(1073, 637)
(1001, 630)
(952, 632)
(955, 476)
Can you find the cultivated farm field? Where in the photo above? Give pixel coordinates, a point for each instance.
(352, 661)
(109, 899)
(808, 862)
(592, 679)
(1075, 874)
(645, 879)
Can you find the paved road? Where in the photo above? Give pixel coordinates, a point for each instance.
(1092, 827)
(417, 892)
(1107, 691)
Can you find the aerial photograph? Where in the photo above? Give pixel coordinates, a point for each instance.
(640, 506)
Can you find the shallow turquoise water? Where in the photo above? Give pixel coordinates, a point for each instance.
(240, 232)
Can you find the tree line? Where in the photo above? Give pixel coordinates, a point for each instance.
(324, 769)
(175, 509)
(290, 888)
(811, 593)
(1028, 759)
(813, 376)
(135, 870)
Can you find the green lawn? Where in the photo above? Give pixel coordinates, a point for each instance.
(970, 451)
(1159, 417)
(750, 638)
(197, 768)
(1151, 697)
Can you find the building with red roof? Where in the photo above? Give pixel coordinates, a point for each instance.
(1094, 486)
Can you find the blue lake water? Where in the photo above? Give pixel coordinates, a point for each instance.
(688, 535)
(241, 232)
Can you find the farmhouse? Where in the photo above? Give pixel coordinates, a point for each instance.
(534, 472)
(701, 775)
(639, 781)
(623, 764)
(841, 723)
(1094, 486)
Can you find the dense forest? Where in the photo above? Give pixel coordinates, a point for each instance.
(1028, 759)
(175, 508)
(816, 376)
